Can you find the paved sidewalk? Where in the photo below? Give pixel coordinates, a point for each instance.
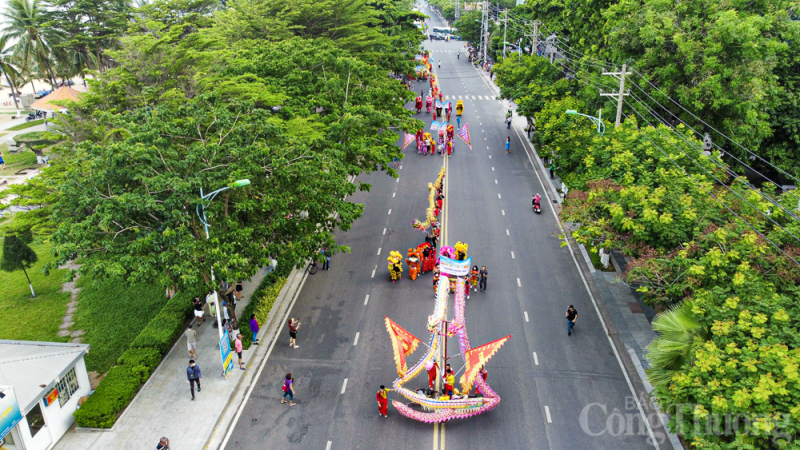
(163, 406)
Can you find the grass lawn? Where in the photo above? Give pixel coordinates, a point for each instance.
(25, 125)
(33, 319)
(112, 314)
(17, 161)
(33, 135)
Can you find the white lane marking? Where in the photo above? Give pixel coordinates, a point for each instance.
(480, 123)
(356, 341)
(492, 167)
(507, 232)
(398, 180)
(401, 168)
(379, 251)
(498, 196)
(535, 359)
(328, 447)
(547, 413)
(390, 212)
(366, 300)
(490, 156)
(447, 97)
(495, 181)
(512, 256)
(393, 194)
(526, 316)
(459, 96)
(519, 283)
(344, 386)
(473, 97)
(373, 273)
(504, 211)
(484, 139)
(384, 231)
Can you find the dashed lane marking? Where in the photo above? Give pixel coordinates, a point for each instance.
(366, 300)
(526, 316)
(344, 385)
(547, 413)
(535, 359)
(519, 283)
(356, 341)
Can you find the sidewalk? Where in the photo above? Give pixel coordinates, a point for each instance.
(163, 406)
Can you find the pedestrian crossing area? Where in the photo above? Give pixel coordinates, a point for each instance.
(468, 97)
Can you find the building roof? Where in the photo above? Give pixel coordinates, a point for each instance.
(30, 365)
(62, 93)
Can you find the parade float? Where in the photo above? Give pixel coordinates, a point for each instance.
(426, 405)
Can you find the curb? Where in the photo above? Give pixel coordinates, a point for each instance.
(270, 331)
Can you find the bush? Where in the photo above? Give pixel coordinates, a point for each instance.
(113, 394)
(148, 358)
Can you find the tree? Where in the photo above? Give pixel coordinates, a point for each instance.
(469, 29)
(680, 334)
(17, 255)
(25, 23)
(716, 58)
(297, 118)
(7, 68)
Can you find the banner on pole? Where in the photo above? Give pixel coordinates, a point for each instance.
(403, 344)
(409, 139)
(477, 358)
(444, 105)
(463, 133)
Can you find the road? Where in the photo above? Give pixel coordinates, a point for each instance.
(558, 392)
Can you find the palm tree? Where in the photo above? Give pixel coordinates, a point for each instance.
(24, 22)
(7, 68)
(679, 335)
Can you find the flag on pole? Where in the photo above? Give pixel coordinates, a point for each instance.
(439, 126)
(409, 139)
(477, 358)
(403, 344)
(463, 133)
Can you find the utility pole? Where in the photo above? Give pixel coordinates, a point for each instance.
(505, 31)
(621, 93)
(535, 37)
(485, 31)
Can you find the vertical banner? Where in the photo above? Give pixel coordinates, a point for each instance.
(403, 344)
(477, 358)
(463, 133)
(225, 353)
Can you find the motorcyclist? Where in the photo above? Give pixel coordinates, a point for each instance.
(508, 113)
(458, 55)
(537, 201)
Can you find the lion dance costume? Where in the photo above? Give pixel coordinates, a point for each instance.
(395, 267)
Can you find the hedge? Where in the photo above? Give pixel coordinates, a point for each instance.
(136, 365)
(118, 388)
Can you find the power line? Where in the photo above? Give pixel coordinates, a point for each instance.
(714, 177)
(715, 197)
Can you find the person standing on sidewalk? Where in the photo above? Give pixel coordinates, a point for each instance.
(552, 170)
(288, 389)
(294, 324)
(508, 144)
(194, 375)
(383, 402)
(482, 276)
(572, 316)
(163, 444)
(239, 288)
(198, 310)
(254, 328)
(191, 342)
(238, 347)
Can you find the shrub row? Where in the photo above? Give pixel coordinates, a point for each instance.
(136, 365)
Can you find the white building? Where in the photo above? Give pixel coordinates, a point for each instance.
(40, 384)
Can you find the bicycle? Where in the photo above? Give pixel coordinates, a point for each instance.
(312, 267)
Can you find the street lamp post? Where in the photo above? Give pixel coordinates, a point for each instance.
(601, 127)
(207, 198)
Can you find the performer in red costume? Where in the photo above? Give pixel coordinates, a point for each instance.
(432, 372)
(383, 402)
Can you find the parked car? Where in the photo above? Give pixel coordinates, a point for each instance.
(42, 93)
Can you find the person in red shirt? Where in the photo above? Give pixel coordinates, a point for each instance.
(434, 368)
(383, 402)
(484, 374)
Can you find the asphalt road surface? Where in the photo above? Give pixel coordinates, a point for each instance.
(557, 391)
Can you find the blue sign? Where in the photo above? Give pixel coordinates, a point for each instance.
(225, 353)
(9, 412)
(540, 49)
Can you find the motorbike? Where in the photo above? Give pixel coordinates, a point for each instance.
(31, 116)
(537, 206)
